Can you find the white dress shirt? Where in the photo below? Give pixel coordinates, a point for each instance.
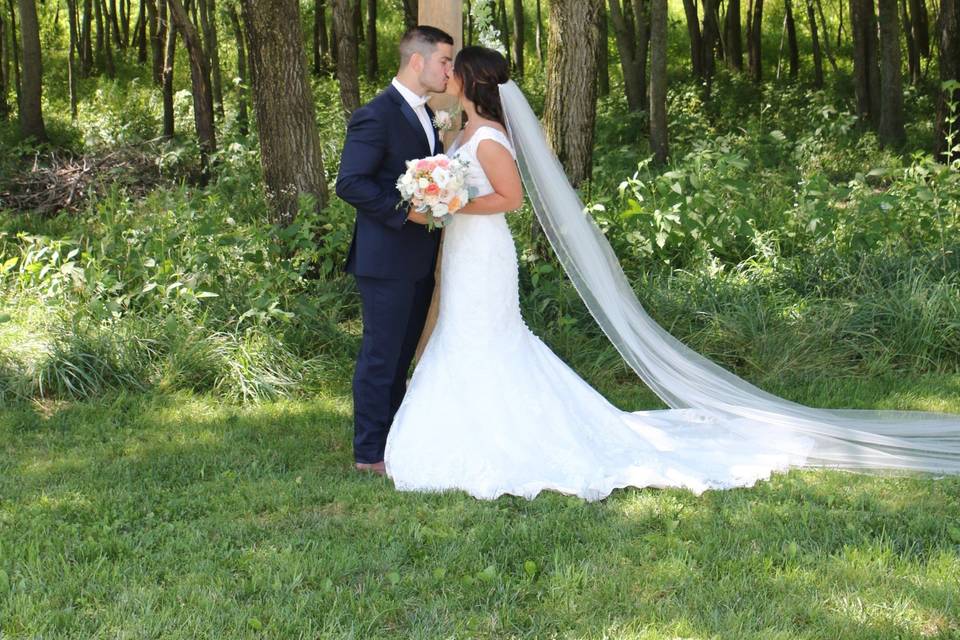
(418, 104)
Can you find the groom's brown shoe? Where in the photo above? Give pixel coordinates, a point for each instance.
(378, 468)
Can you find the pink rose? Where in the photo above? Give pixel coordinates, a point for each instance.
(432, 189)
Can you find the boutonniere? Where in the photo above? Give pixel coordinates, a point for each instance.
(443, 119)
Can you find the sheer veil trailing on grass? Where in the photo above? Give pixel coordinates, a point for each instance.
(847, 439)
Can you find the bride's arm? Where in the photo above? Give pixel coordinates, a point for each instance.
(501, 170)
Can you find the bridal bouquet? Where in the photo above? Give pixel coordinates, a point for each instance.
(435, 186)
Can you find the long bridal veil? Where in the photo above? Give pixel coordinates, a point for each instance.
(848, 439)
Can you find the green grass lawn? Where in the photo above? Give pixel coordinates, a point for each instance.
(177, 516)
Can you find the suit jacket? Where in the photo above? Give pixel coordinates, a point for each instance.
(381, 136)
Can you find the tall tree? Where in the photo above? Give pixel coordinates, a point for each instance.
(815, 43)
(343, 26)
(826, 34)
(693, 31)
(891, 130)
(947, 128)
(107, 42)
(289, 143)
(866, 68)
(792, 39)
(373, 64)
(708, 45)
(158, 39)
(518, 37)
(140, 33)
(15, 49)
(31, 111)
(169, 34)
(4, 84)
(733, 36)
(538, 35)
(754, 39)
(411, 9)
(913, 54)
(86, 40)
(243, 120)
(603, 53)
(211, 45)
(571, 101)
(321, 43)
(72, 58)
(199, 83)
(658, 81)
(504, 26)
(921, 26)
(631, 30)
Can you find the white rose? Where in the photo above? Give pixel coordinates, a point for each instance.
(440, 210)
(441, 176)
(423, 183)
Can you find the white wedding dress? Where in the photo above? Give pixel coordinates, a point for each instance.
(491, 410)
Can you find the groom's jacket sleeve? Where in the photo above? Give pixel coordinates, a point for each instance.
(362, 159)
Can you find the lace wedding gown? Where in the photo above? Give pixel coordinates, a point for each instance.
(491, 410)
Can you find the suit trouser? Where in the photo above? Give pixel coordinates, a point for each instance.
(394, 312)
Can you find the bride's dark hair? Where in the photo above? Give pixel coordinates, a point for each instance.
(481, 71)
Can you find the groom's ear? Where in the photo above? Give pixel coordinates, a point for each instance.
(417, 62)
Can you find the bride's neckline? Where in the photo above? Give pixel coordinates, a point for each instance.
(460, 145)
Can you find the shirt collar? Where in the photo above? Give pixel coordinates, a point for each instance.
(412, 99)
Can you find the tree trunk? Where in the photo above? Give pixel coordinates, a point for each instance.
(708, 44)
(603, 55)
(373, 64)
(866, 70)
(632, 34)
(815, 41)
(321, 44)
(4, 82)
(891, 132)
(754, 36)
(792, 40)
(15, 48)
(693, 29)
(539, 33)
(289, 143)
(86, 40)
(170, 49)
(947, 127)
(31, 111)
(658, 81)
(243, 119)
(571, 101)
(208, 17)
(199, 83)
(98, 20)
(410, 11)
(114, 24)
(140, 32)
(108, 43)
(504, 27)
(346, 56)
(518, 38)
(733, 36)
(921, 26)
(158, 39)
(913, 55)
(71, 58)
(826, 35)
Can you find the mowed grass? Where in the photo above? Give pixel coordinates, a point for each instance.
(177, 516)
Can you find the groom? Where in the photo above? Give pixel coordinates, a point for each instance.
(392, 255)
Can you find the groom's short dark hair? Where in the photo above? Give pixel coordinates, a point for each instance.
(423, 40)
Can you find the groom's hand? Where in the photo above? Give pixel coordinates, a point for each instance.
(414, 216)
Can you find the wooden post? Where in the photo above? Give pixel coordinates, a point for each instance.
(446, 15)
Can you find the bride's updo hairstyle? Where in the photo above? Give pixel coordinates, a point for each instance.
(480, 71)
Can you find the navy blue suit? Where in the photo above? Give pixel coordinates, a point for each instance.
(392, 259)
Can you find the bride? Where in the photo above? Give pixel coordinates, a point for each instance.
(491, 410)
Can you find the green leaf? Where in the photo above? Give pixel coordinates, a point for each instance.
(255, 624)
(530, 568)
(489, 574)
(9, 264)
(394, 578)
(207, 294)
